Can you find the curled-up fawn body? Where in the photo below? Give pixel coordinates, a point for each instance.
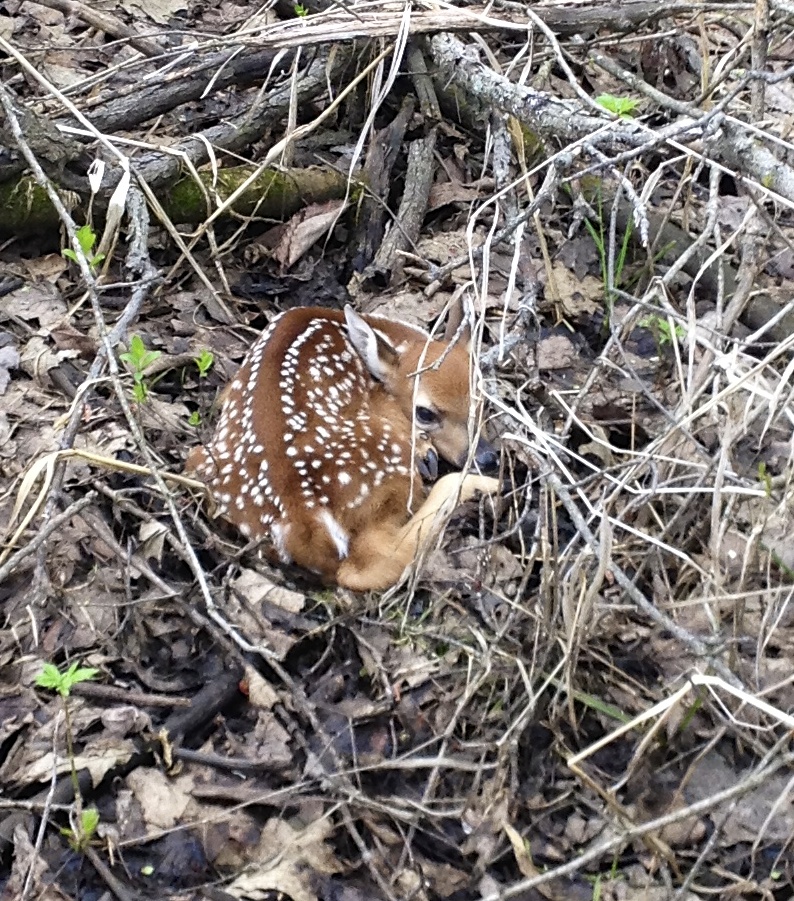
(325, 436)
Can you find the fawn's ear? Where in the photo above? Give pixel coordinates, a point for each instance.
(458, 324)
(380, 358)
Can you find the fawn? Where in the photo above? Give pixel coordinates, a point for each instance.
(314, 448)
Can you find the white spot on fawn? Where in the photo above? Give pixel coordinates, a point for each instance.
(338, 535)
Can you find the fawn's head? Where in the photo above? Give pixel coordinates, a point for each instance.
(430, 382)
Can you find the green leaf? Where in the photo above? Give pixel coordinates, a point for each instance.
(149, 357)
(620, 106)
(139, 359)
(49, 677)
(204, 362)
(84, 674)
(86, 238)
(137, 349)
(764, 478)
(89, 821)
(62, 682)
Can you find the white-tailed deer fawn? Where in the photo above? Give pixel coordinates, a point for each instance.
(314, 450)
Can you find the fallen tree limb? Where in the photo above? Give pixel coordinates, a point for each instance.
(385, 21)
(30, 210)
(726, 141)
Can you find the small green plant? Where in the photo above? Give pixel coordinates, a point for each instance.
(194, 419)
(80, 837)
(764, 478)
(139, 359)
(620, 106)
(84, 822)
(86, 238)
(204, 361)
(598, 234)
(662, 331)
(63, 682)
(689, 715)
(300, 10)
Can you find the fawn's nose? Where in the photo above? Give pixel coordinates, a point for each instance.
(428, 465)
(485, 456)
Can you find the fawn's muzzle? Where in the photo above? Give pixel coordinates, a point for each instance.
(486, 458)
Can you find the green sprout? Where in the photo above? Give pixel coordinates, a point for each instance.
(80, 838)
(139, 359)
(300, 10)
(86, 238)
(194, 419)
(204, 361)
(662, 331)
(597, 232)
(84, 822)
(765, 478)
(63, 682)
(620, 106)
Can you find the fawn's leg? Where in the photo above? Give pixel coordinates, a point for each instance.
(381, 554)
(449, 492)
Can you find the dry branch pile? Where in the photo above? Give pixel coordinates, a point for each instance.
(587, 695)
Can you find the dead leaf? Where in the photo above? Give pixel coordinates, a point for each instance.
(152, 536)
(521, 853)
(163, 800)
(445, 246)
(290, 860)
(304, 228)
(410, 306)
(454, 192)
(777, 534)
(260, 692)
(257, 588)
(126, 720)
(98, 757)
(40, 301)
(161, 414)
(67, 337)
(601, 449)
(161, 11)
(38, 358)
(579, 296)
(47, 268)
(29, 872)
(8, 448)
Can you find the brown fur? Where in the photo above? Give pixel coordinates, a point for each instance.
(313, 449)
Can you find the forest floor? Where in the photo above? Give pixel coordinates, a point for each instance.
(586, 690)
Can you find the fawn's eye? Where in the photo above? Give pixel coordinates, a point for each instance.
(424, 416)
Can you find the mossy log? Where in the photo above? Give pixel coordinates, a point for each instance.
(27, 209)
(275, 194)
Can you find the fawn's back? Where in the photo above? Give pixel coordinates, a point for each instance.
(314, 450)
